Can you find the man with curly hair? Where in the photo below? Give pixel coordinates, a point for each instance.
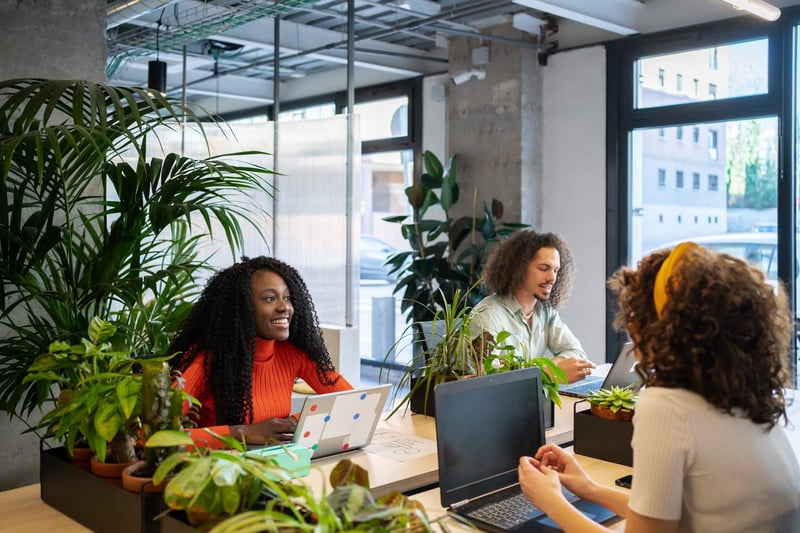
(709, 453)
(529, 275)
(251, 334)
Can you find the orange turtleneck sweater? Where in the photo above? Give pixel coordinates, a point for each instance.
(276, 365)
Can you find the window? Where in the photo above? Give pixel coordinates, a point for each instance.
(695, 87)
(695, 180)
(695, 219)
(661, 218)
(740, 69)
(713, 185)
(662, 177)
(679, 133)
(679, 179)
(696, 135)
(712, 144)
(661, 132)
(680, 219)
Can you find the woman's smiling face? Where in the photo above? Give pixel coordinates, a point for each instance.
(272, 305)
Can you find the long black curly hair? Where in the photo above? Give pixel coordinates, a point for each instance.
(222, 325)
(507, 267)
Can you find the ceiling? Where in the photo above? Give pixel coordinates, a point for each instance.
(230, 44)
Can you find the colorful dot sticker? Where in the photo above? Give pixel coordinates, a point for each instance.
(315, 446)
(313, 408)
(327, 418)
(355, 416)
(363, 396)
(345, 446)
(306, 434)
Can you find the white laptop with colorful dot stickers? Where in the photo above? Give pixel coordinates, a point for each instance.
(340, 421)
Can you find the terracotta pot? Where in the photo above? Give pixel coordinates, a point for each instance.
(138, 484)
(624, 415)
(80, 458)
(112, 471)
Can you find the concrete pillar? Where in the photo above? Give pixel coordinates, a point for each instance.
(494, 127)
(56, 39)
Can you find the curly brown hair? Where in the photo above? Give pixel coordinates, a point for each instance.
(507, 266)
(724, 332)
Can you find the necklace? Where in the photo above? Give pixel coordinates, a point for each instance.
(527, 316)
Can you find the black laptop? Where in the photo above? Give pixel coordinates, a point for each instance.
(483, 426)
(621, 374)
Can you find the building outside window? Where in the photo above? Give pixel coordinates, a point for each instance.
(679, 179)
(696, 181)
(679, 133)
(713, 182)
(662, 177)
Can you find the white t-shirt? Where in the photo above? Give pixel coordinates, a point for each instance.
(712, 471)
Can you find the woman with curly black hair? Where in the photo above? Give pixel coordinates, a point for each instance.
(253, 331)
(709, 455)
(530, 275)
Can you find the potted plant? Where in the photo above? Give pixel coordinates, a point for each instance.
(94, 225)
(616, 403)
(446, 253)
(161, 427)
(101, 401)
(454, 356)
(350, 506)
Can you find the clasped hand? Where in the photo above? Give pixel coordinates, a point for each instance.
(542, 475)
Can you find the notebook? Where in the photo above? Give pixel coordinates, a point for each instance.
(622, 374)
(483, 426)
(340, 421)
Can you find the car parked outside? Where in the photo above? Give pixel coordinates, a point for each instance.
(758, 248)
(373, 254)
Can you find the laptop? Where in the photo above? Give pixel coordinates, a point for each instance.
(340, 421)
(483, 426)
(622, 374)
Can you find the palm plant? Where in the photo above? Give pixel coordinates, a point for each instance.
(91, 225)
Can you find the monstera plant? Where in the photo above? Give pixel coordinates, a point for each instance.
(94, 224)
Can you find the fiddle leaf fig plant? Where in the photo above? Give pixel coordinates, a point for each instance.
(446, 252)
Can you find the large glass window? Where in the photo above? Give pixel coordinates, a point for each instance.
(738, 69)
(743, 197)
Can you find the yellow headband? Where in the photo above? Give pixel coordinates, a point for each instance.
(667, 267)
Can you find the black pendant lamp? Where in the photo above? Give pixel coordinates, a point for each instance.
(157, 70)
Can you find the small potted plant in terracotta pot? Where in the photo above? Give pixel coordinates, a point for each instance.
(616, 403)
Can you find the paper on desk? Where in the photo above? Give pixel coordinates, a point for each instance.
(399, 446)
(601, 370)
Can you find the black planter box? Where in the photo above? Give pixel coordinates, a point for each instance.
(609, 440)
(100, 504)
(423, 405)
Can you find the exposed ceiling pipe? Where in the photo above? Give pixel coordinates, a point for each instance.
(122, 11)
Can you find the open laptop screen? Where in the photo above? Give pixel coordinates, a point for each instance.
(506, 409)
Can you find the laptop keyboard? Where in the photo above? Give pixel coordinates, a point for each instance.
(511, 512)
(585, 387)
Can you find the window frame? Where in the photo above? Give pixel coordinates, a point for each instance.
(623, 118)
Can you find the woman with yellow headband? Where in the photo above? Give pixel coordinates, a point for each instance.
(710, 452)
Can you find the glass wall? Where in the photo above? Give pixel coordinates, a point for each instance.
(700, 145)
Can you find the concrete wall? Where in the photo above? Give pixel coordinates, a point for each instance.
(57, 39)
(574, 184)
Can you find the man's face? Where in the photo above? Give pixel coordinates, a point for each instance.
(272, 305)
(542, 273)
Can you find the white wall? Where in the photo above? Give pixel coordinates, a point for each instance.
(574, 184)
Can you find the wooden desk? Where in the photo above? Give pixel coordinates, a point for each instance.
(23, 510)
(602, 471)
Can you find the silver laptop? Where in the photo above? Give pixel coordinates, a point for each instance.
(478, 462)
(622, 374)
(340, 421)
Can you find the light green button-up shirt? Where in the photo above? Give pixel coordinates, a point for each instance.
(546, 336)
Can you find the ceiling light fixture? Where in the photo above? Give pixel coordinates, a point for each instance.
(157, 70)
(759, 8)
